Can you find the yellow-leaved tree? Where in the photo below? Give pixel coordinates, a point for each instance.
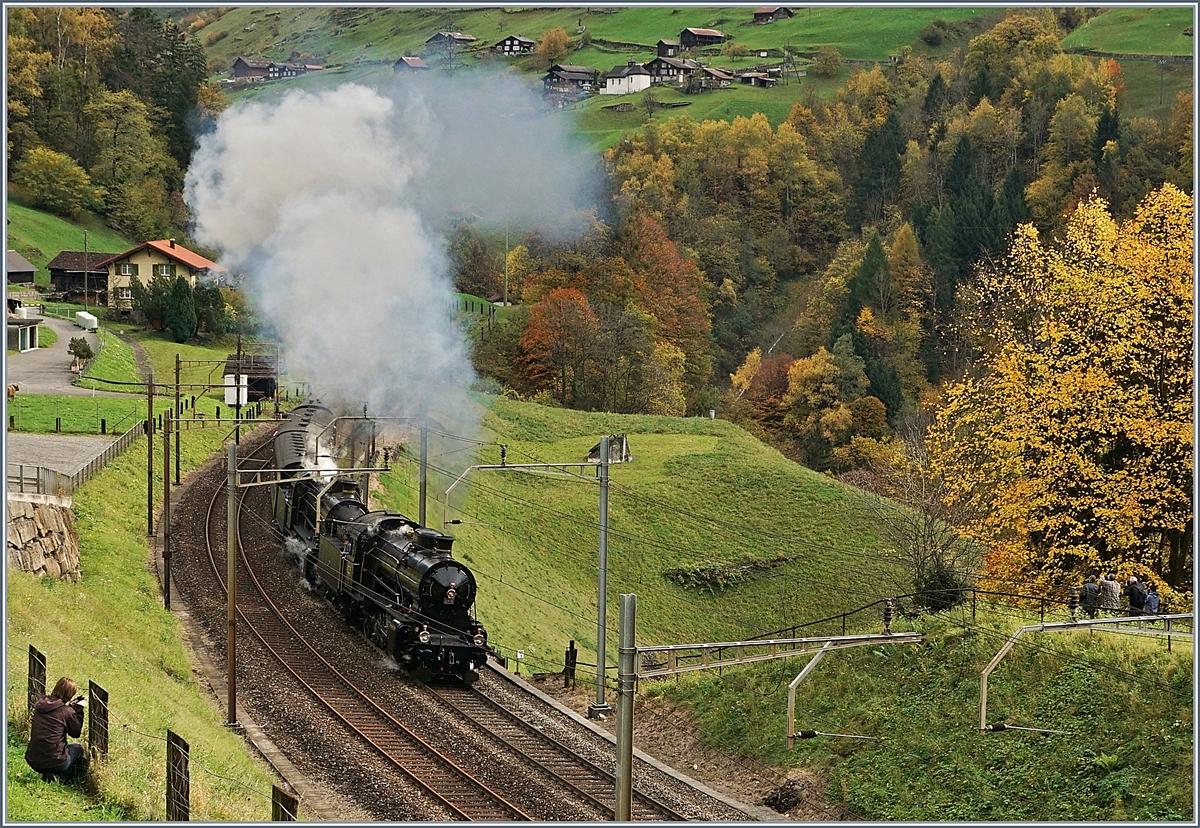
(1072, 443)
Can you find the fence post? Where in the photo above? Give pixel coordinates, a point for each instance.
(569, 666)
(97, 721)
(37, 677)
(974, 595)
(178, 783)
(283, 805)
(1042, 612)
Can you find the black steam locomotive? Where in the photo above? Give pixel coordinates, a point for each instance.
(389, 576)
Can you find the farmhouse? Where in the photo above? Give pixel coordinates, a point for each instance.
(405, 65)
(671, 70)
(448, 41)
(515, 45)
(715, 78)
(769, 14)
(18, 269)
(74, 273)
(622, 80)
(568, 79)
(266, 69)
(699, 38)
(146, 261)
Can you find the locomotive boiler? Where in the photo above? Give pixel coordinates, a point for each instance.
(395, 580)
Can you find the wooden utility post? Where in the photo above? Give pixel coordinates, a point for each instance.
(150, 454)
(166, 512)
(231, 581)
(178, 415)
(600, 707)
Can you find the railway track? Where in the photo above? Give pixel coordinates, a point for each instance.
(590, 782)
(463, 796)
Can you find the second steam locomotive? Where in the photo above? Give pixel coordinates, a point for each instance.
(389, 576)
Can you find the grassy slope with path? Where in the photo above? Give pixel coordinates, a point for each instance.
(1136, 31)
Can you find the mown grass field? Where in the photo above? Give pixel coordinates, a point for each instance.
(111, 628)
(1136, 31)
(39, 236)
(1123, 707)
(700, 496)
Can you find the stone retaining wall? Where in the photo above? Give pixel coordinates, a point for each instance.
(42, 538)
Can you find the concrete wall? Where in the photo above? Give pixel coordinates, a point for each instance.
(42, 537)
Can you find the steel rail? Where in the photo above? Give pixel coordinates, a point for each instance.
(403, 738)
(475, 706)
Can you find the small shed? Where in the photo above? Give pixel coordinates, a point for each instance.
(761, 79)
(259, 371)
(18, 269)
(408, 64)
(22, 334)
(668, 48)
(618, 450)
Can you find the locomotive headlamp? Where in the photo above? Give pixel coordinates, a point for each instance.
(450, 595)
(478, 639)
(423, 636)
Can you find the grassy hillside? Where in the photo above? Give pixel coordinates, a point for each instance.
(1123, 706)
(1137, 31)
(39, 237)
(111, 628)
(770, 542)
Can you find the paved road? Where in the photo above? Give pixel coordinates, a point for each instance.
(48, 370)
(52, 451)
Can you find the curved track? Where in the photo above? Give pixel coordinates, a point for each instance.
(447, 784)
(589, 782)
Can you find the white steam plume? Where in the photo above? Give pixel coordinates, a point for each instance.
(329, 200)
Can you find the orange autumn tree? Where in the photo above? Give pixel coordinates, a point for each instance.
(1073, 443)
(559, 342)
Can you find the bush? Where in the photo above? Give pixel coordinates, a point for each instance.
(939, 587)
(53, 182)
(827, 62)
(79, 348)
(935, 32)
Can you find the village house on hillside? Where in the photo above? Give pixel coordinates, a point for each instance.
(570, 80)
(266, 69)
(18, 270)
(447, 41)
(408, 64)
(515, 45)
(75, 272)
(150, 259)
(699, 38)
(769, 14)
(671, 70)
(622, 80)
(668, 48)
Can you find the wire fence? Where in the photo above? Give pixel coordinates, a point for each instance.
(180, 755)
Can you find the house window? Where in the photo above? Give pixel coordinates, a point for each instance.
(126, 269)
(124, 293)
(162, 270)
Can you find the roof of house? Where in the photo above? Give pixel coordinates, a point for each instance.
(678, 63)
(255, 63)
(768, 9)
(520, 39)
(574, 69)
(412, 62)
(77, 260)
(628, 69)
(667, 42)
(312, 67)
(705, 32)
(717, 73)
(16, 263)
(452, 36)
(172, 250)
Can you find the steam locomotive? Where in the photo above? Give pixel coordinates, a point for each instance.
(389, 576)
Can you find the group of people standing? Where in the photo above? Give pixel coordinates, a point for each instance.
(1105, 595)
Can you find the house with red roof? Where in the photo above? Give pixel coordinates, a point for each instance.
(151, 259)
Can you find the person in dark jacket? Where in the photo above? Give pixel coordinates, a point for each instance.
(1137, 597)
(56, 717)
(1090, 596)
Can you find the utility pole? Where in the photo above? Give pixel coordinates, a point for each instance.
(506, 264)
(178, 415)
(150, 454)
(166, 518)
(626, 684)
(85, 268)
(424, 470)
(237, 394)
(231, 518)
(601, 707)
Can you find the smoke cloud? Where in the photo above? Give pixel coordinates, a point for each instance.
(335, 205)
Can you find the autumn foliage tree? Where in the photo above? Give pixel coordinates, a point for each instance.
(1074, 441)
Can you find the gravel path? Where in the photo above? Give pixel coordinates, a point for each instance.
(65, 455)
(48, 370)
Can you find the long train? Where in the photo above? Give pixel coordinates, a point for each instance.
(387, 575)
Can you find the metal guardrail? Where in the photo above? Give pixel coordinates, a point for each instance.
(28, 479)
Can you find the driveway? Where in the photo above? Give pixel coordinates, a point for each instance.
(48, 370)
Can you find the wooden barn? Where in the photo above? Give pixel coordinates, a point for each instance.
(406, 64)
(769, 14)
(700, 38)
(18, 269)
(260, 371)
(74, 272)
